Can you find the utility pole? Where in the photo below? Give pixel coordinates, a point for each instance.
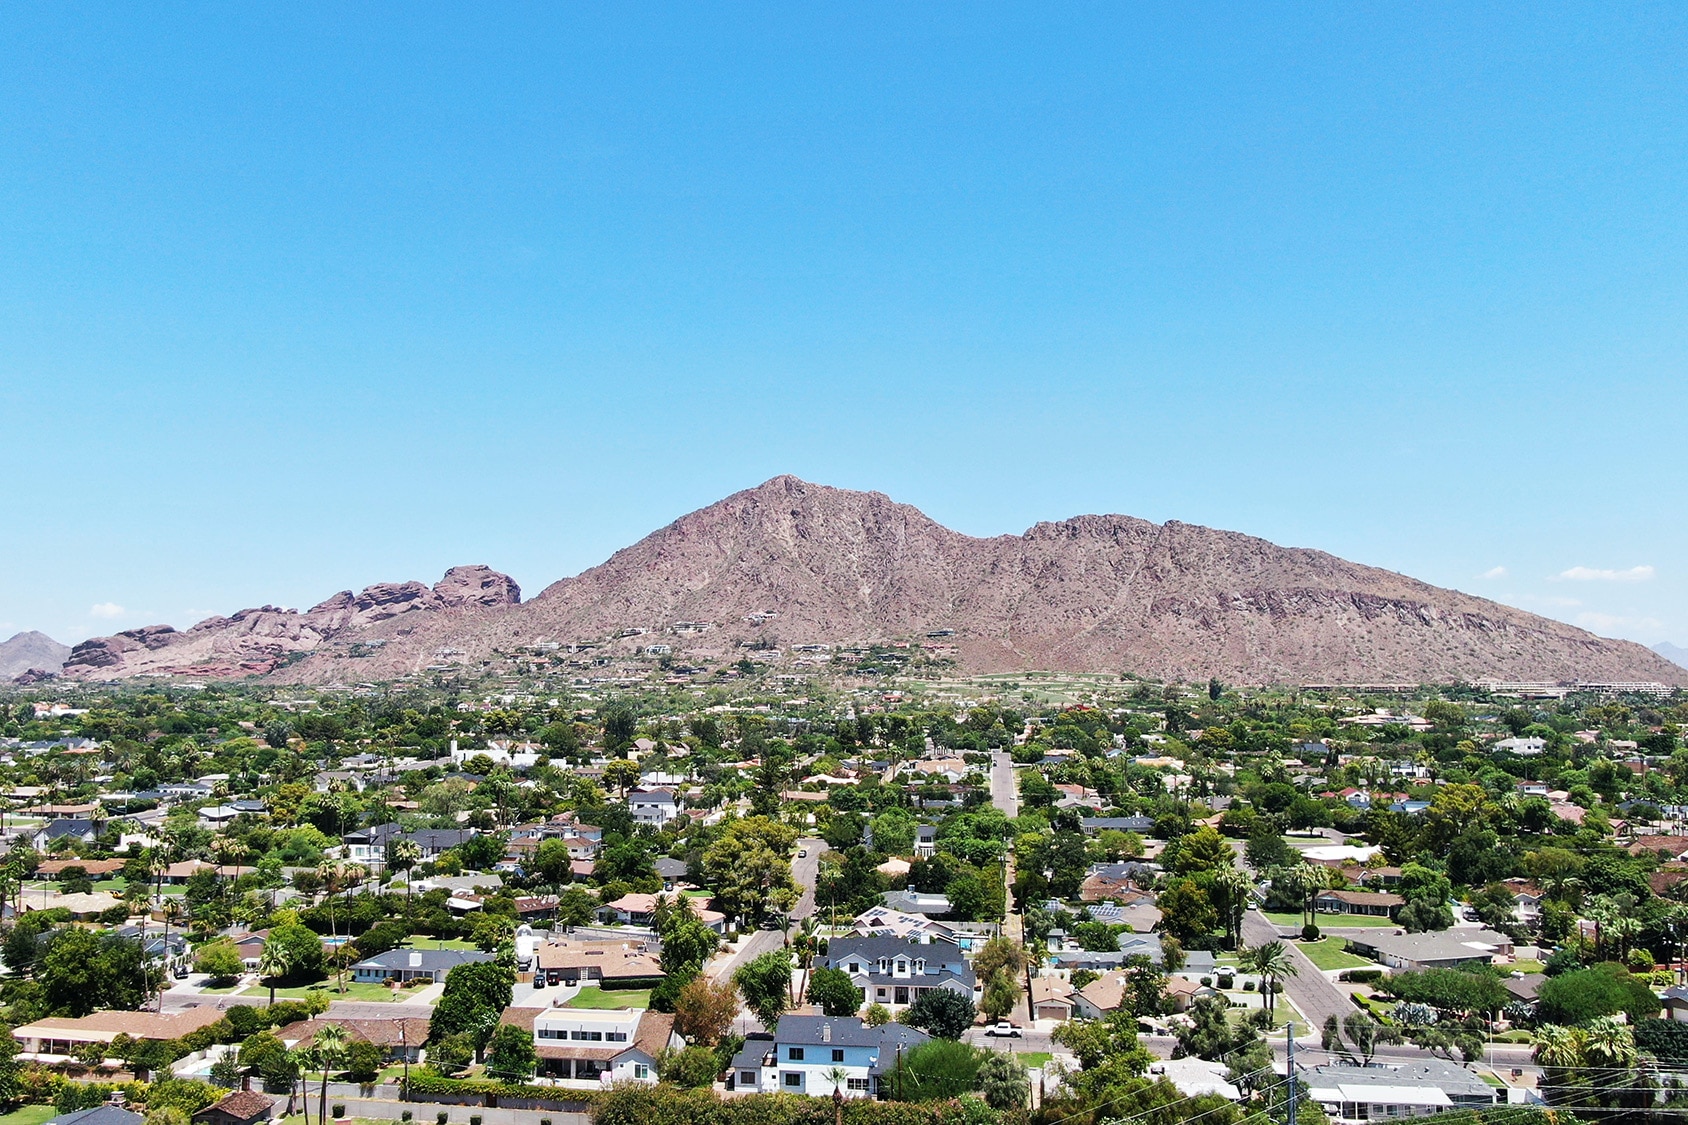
(1289, 1037)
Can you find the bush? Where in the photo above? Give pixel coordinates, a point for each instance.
(1604, 990)
(405, 1115)
(441, 1118)
(1361, 976)
(339, 1111)
(1309, 932)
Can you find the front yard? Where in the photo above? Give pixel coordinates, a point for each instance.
(1326, 921)
(594, 997)
(1329, 953)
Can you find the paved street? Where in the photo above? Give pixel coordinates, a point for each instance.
(1004, 794)
(805, 869)
(1315, 996)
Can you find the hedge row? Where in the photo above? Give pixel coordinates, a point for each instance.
(639, 1104)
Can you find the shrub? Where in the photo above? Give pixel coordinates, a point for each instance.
(441, 1118)
(1586, 994)
(406, 1115)
(1309, 932)
(339, 1111)
(474, 1119)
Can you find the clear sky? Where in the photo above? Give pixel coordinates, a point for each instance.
(298, 298)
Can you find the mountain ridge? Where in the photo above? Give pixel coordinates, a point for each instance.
(30, 651)
(797, 563)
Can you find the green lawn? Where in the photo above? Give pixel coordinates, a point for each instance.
(115, 886)
(29, 1115)
(228, 990)
(439, 943)
(1330, 954)
(355, 990)
(1327, 921)
(1285, 1014)
(1526, 965)
(1035, 1059)
(594, 997)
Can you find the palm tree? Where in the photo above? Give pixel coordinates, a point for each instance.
(172, 912)
(403, 855)
(330, 1047)
(1274, 964)
(328, 871)
(1234, 886)
(1609, 1043)
(274, 963)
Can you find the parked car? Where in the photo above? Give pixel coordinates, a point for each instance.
(1003, 1030)
(802, 853)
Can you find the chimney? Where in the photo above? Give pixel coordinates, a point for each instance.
(826, 1032)
(416, 958)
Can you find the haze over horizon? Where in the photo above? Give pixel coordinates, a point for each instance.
(308, 300)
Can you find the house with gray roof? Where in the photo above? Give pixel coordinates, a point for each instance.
(894, 972)
(1388, 1090)
(414, 964)
(816, 1054)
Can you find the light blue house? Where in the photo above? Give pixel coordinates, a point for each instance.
(815, 1054)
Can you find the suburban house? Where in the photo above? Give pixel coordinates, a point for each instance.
(242, 1107)
(73, 828)
(1523, 747)
(403, 964)
(671, 871)
(882, 921)
(401, 1038)
(1052, 998)
(434, 842)
(655, 807)
(1386, 1090)
(1118, 823)
(57, 1039)
(912, 902)
(1443, 949)
(895, 972)
(816, 1054)
(607, 963)
(597, 1045)
(1377, 904)
(368, 846)
(107, 1114)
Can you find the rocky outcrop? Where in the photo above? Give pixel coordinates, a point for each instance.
(807, 564)
(31, 652)
(259, 640)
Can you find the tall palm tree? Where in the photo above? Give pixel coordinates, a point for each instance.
(274, 963)
(1607, 1042)
(1234, 886)
(172, 913)
(330, 1047)
(328, 872)
(404, 855)
(1274, 964)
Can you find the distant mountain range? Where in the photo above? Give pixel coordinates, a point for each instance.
(31, 651)
(1676, 654)
(792, 563)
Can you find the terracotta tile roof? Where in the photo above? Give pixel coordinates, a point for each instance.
(600, 1054)
(613, 960)
(407, 1030)
(107, 1025)
(653, 1033)
(94, 867)
(520, 1017)
(241, 1104)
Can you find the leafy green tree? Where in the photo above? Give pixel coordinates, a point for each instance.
(942, 1013)
(704, 1011)
(690, 1068)
(750, 868)
(765, 984)
(304, 950)
(510, 1054)
(81, 972)
(475, 995)
(1186, 911)
(1001, 993)
(935, 1071)
(363, 1060)
(552, 864)
(1587, 994)
(834, 992)
(219, 960)
(1002, 1082)
(893, 832)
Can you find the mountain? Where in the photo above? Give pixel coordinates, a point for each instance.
(259, 641)
(795, 563)
(1676, 654)
(28, 651)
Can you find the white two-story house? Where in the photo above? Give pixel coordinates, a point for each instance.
(894, 972)
(655, 807)
(597, 1045)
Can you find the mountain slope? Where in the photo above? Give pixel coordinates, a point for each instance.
(28, 651)
(1676, 654)
(810, 564)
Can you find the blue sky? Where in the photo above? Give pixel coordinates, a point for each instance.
(299, 299)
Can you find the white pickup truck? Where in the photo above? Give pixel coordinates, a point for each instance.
(1003, 1030)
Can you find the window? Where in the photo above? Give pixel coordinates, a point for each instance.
(615, 1036)
(793, 1079)
(837, 1054)
(858, 1084)
(747, 1078)
(855, 966)
(902, 966)
(795, 1054)
(640, 1070)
